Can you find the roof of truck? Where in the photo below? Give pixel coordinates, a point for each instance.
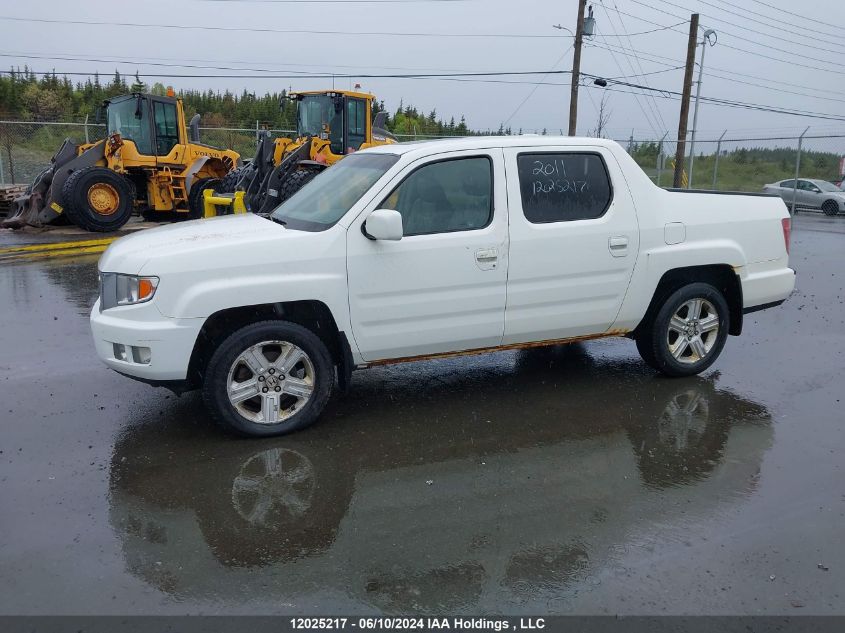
(486, 142)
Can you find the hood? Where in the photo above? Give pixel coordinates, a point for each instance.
(202, 240)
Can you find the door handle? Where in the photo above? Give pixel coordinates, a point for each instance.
(486, 258)
(618, 245)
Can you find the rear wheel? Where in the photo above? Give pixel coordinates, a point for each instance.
(268, 378)
(688, 332)
(196, 207)
(830, 207)
(98, 199)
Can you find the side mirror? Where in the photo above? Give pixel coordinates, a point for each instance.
(139, 106)
(384, 224)
(98, 115)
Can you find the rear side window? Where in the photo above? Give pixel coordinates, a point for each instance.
(562, 187)
(789, 184)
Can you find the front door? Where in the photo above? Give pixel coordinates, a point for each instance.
(574, 240)
(440, 288)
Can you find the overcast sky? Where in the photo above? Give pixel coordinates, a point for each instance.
(811, 53)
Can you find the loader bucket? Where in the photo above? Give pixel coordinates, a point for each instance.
(30, 208)
(42, 203)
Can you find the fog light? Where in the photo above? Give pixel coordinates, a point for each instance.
(141, 355)
(120, 351)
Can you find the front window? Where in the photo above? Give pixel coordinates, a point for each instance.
(314, 113)
(323, 201)
(131, 119)
(445, 196)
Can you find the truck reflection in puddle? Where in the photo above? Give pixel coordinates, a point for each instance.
(513, 477)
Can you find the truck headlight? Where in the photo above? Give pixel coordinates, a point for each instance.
(117, 289)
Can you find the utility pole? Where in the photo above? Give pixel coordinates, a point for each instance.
(576, 68)
(682, 123)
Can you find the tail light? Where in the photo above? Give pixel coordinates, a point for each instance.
(786, 223)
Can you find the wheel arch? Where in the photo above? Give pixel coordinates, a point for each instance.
(722, 276)
(314, 315)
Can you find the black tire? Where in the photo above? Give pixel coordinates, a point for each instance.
(196, 209)
(215, 383)
(830, 207)
(230, 181)
(78, 193)
(653, 340)
(296, 181)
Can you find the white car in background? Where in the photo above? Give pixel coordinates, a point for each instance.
(810, 194)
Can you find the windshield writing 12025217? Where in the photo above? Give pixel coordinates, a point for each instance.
(550, 177)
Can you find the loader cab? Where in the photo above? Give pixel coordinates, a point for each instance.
(154, 124)
(342, 118)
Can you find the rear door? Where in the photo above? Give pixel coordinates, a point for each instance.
(574, 239)
(441, 288)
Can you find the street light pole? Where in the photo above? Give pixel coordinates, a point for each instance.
(704, 43)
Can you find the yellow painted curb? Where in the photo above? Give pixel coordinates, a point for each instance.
(80, 245)
(70, 252)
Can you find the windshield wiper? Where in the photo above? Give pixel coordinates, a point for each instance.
(278, 220)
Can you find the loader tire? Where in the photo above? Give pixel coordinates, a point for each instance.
(296, 181)
(196, 209)
(98, 199)
(230, 181)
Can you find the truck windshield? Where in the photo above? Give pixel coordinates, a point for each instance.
(122, 118)
(323, 201)
(315, 111)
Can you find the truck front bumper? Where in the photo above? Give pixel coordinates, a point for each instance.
(139, 342)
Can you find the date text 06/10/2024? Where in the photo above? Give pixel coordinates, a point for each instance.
(417, 624)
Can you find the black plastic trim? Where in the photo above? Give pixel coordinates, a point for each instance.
(724, 193)
(762, 306)
(176, 386)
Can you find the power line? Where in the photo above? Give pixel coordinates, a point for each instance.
(730, 72)
(305, 74)
(815, 31)
(734, 103)
(257, 29)
(743, 50)
(636, 98)
(779, 37)
(656, 109)
(796, 15)
(537, 85)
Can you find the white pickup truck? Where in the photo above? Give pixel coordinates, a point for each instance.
(433, 249)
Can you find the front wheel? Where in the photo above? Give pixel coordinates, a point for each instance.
(196, 202)
(688, 332)
(268, 378)
(98, 199)
(830, 207)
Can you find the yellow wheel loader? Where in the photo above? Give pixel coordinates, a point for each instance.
(330, 125)
(148, 163)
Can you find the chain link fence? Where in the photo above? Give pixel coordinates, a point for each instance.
(730, 163)
(741, 163)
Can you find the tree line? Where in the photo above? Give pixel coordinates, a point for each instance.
(25, 96)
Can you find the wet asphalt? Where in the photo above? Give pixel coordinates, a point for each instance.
(562, 480)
